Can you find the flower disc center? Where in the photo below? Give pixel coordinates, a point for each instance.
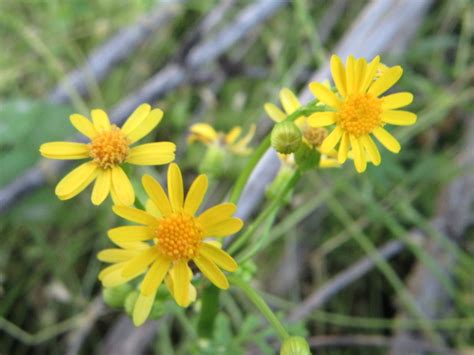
(360, 114)
(179, 236)
(109, 148)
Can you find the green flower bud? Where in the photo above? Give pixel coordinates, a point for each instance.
(115, 296)
(295, 345)
(130, 301)
(214, 161)
(157, 310)
(286, 137)
(246, 270)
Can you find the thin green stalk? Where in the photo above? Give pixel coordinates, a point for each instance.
(258, 301)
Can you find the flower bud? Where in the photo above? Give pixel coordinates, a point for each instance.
(315, 135)
(115, 296)
(157, 310)
(130, 301)
(295, 345)
(214, 161)
(286, 137)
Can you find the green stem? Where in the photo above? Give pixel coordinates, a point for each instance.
(258, 301)
(239, 242)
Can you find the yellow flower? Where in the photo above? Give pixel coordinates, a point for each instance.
(109, 148)
(359, 111)
(311, 136)
(206, 134)
(167, 238)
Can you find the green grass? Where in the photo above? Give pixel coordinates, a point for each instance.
(48, 247)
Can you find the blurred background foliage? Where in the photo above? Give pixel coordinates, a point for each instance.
(48, 266)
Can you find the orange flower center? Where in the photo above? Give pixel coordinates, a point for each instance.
(359, 114)
(179, 236)
(109, 148)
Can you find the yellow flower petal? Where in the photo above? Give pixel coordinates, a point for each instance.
(157, 194)
(387, 140)
(101, 120)
(116, 255)
(158, 153)
(386, 81)
(360, 72)
(146, 126)
(325, 95)
(155, 276)
(83, 125)
(130, 234)
(76, 181)
(122, 187)
(370, 73)
(196, 194)
(203, 132)
(101, 187)
(181, 283)
(326, 163)
(218, 256)
(217, 214)
(371, 149)
(175, 187)
(109, 269)
(338, 74)
(350, 75)
(136, 118)
(224, 228)
(322, 119)
(397, 100)
(64, 150)
(135, 215)
(343, 149)
(170, 284)
(289, 101)
(234, 133)
(331, 140)
(115, 277)
(140, 262)
(142, 308)
(359, 158)
(399, 118)
(274, 112)
(152, 208)
(212, 272)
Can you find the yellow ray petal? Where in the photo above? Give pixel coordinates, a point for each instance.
(343, 148)
(325, 95)
(101, 120)
(115, 278)
(212, 272)
(135, 215)
(196, 194)
(387, 140)
(136, 118)
(130, 234)
(203, 132)
(155, 191)
(234, 133)
(155, 276)
(386, 81)
(338, 74)
(289, 101)
(122, 187)
(116, 255)
(370, 73)
(322, 119)
(142, 308)
(359, 158)
(398, 117)
(76, 181)
(157, 153)
(218, 256)
(350, 75)
(175, 187)
(181, 283)
(152, 120)
(83, 125)
(371, 149)
(64, 150)
(152, 208)
(101, 187)
(224, 228)
(109, 269)
(274, 112)
(360, 72)
(140, 262)
(217, 214)
(397, 100)
(331, 140)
